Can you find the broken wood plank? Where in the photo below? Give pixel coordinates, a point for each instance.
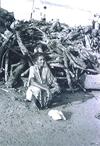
(6, 65)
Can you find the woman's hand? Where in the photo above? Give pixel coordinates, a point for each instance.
(49, 94)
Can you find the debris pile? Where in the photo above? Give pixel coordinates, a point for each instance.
(69, 52)
(6, 18)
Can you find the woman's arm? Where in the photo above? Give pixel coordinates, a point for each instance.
(39, 85)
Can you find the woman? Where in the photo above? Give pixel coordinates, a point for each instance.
(42, 84)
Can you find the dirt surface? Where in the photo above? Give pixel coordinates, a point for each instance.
(21, 125)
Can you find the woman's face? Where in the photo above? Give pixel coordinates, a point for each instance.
(40, 61)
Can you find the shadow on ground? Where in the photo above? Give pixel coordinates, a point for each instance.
(69, 97)
(64, 98)
(67, 115)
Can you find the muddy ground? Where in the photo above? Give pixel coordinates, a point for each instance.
(21, 125)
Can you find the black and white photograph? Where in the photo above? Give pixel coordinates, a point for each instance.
(49, 73)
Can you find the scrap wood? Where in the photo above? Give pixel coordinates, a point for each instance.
(3, 48)
(6, 66)
(23, 48)
(60, 47)
(4, 89)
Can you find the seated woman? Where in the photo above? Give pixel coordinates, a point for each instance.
(42, 84)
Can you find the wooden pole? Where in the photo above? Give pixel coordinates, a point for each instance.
(33, 10)
(6, 66)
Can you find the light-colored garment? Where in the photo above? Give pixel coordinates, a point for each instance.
(46, 77)
(32, 90)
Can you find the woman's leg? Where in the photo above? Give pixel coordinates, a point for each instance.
(32, 90)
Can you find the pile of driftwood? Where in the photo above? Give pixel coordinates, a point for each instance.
(67, 50)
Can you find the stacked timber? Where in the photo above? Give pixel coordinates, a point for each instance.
(69, 52)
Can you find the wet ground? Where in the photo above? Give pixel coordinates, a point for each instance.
(23, 126)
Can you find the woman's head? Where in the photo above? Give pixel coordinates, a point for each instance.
(39, 59)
